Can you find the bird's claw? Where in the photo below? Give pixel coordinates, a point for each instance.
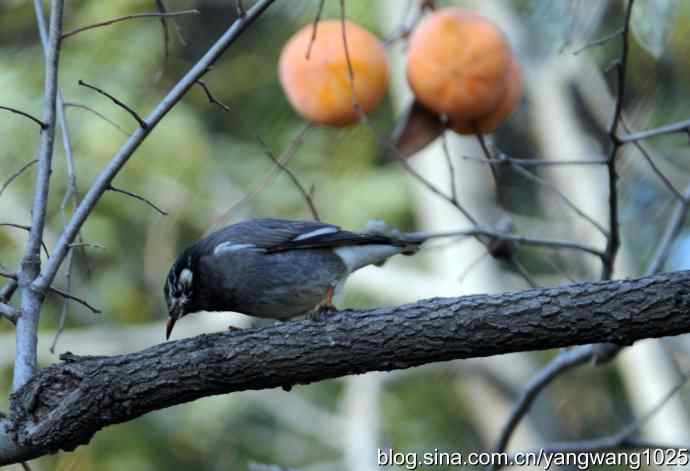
(321, 312)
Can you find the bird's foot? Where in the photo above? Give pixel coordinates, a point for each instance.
(321, 312)
(325, 307)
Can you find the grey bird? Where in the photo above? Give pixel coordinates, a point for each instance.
(275, 268)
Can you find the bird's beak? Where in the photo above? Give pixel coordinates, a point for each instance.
(169, 326)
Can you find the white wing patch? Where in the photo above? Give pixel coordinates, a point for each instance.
(231, 247)
(317, 232)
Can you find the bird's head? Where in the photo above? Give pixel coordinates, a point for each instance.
(178, 294)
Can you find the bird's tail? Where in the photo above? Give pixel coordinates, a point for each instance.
(409, 243)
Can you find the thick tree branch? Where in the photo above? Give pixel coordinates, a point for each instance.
(64, 405)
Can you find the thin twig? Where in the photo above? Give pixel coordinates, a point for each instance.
(350, 70)
(419, 177)
(404, 30)
(451, 168)
(72, 193)
(239, 6)
(664, 179)
(40, 123)
(265, 181)
(138, 197)
(16, 174)
(77, 300)
(503, 159)
(547, 184)
(522, 271)
(600, 41)
(65, 303)
(164, 26)
(129, 110)
(305, 194)
(90, 245)
(672, 230)
(26, 228)
(210, 96)
(128, 17)
(506, 236)
(487, 155)
(679, 127)
(613, 242)
(100, 115)
(314, 27)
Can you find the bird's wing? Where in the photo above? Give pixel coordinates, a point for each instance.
(278, 235)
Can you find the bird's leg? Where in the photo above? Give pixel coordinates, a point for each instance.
(324, 307)
(327, 304)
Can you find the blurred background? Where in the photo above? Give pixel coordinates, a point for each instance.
(206, 167)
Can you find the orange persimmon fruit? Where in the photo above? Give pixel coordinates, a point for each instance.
(319, 88)
(460, 65)
(491, 121)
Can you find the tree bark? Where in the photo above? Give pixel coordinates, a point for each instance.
(65, 404)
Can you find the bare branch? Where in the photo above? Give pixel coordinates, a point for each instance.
(674, 128)
(138, 197)
(506, 236)
(314, 27)
(128, 17)
(547, 184)
(305, 194)
(106, 176)
(15, 175)
(164, 25)
(239, 6)
(664, 179)
(210, 96)
(487, 155)
(260, 185)
(65, 302)
(451, 168)
(600, 41)
(503, 158)
(63, 406)
(27, 324)
(77, 300)
(40, 123)
(673, 228)
(613, 242)
(350, 70)
(129, 110)
(26, 228)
